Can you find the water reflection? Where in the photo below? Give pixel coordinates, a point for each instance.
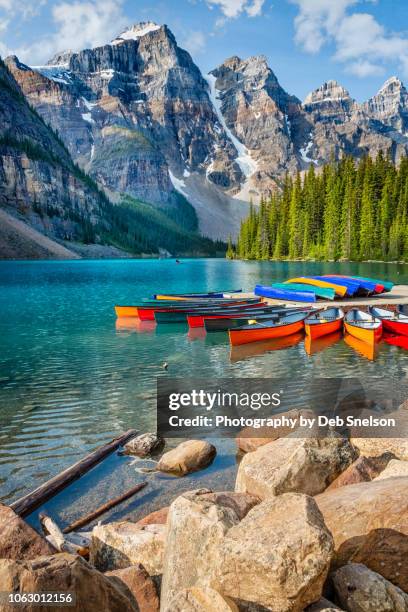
(369, 350)
(323, 343)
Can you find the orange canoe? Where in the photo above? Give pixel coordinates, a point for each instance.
(324, 322)
(287, 325)
(320, 344)
(244, 351)
(363, 326)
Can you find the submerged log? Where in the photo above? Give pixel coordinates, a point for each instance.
(104, 508)
(27, 504)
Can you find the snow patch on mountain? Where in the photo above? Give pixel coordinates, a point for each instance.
(178, 184)
(304, 152)
(57, 73)
(136, 31)
(247, 164)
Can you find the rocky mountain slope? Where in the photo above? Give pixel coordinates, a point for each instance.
(38, 179)
(141, 119)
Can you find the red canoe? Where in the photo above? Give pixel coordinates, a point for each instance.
(394, 322)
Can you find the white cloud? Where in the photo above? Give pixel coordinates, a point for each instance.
(360, 41)
(79, 25)
(194, 42)
(234, 8)
(364, 68)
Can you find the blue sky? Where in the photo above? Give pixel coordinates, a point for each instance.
(360, 43)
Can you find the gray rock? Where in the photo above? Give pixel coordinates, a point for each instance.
(359, 589)
(144, 445)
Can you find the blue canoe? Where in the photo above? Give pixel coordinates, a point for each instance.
(366, 286)
(283, 294)
(351, 285)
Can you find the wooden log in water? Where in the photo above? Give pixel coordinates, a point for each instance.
(104, 508)
(27, 504)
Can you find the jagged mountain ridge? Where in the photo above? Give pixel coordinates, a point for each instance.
(139, 116)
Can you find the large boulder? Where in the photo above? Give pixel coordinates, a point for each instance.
(118, 545)
(369, 522)
(372, 447)
(196, 525)
(144, 445)
(140, 584)
(359, 589)
(277, 557)
(200, 599)
(18, 540)
(65, 573)
(187, 457)
(302, 465)
(363, 469)
(394, 468)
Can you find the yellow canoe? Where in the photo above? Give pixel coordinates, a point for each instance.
(174, 298)
(126, 311)
(339, 289)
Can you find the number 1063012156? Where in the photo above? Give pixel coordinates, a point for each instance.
(39, 598)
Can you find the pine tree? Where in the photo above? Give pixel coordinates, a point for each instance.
(353, 210)
(230, 254)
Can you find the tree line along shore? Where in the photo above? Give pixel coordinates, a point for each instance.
(348, 210)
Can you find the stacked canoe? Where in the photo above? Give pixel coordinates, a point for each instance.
(328, 287)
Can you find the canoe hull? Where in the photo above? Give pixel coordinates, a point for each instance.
(367, 335)
(317, 330)
(287, 295)
(326, 294)
(399, 328)
(240, 336)
(126, 311)
(182, 296)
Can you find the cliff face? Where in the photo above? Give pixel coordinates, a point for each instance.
(38, 180)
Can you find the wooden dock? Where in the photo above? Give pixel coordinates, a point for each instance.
(398, 295)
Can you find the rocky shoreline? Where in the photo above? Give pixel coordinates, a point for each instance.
(313, 525)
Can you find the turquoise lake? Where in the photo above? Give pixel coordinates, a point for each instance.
(71, 378)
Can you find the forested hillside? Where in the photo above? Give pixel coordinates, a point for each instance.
(346, 210)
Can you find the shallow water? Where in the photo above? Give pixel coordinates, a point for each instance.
(71, 378)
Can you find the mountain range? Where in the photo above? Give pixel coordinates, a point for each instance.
(135, 121)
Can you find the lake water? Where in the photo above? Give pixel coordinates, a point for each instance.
(71, 379)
